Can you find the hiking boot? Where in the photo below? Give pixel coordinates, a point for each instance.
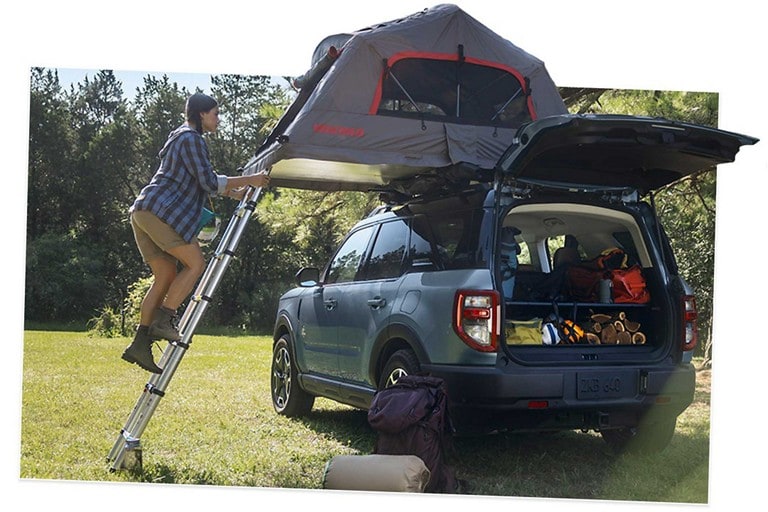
(140, 351)
(164, 325)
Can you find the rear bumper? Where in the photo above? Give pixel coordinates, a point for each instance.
(564, 398)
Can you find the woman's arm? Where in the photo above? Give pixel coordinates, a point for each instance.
(235, 186)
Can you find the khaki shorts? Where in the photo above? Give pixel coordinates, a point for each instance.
(153, 236)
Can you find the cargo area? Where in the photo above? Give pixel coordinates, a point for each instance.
(584, 277)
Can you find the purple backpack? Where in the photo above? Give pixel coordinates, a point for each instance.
(411, 418)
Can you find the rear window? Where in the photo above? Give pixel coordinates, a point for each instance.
(551, 234)
(456, 238)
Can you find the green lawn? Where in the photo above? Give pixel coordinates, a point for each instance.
(216, 426)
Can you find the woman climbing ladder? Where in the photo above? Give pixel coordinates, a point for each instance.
(165, 218)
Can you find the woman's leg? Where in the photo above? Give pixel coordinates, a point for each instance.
(140, 349)
(164, 322)
(191, 257)
(163, 272)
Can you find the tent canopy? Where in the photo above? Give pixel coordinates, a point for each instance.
(434, 93)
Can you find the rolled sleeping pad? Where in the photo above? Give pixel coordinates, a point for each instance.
(376, 472)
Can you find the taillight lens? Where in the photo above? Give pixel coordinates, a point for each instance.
(477, 318)
(690, 332)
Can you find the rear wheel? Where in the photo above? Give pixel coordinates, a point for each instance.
(288, 398)
(402, 362)
(648, 437)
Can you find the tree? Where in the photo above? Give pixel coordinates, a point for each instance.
(51, 155)
(243, 103)
(65, 270)
(91, 151)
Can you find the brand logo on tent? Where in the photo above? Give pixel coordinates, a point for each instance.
(344, 131)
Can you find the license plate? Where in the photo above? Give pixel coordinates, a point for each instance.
(597, 385)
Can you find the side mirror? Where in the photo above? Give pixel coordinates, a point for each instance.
(308, 277)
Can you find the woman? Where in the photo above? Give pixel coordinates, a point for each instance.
(165, 218)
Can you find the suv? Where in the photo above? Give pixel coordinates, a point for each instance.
(544, 293)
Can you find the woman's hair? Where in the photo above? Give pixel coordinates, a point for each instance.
(196, 104)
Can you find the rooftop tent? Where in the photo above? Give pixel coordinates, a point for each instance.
(434, 94)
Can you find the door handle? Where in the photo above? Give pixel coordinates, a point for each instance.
(377, 302)
(330, 304)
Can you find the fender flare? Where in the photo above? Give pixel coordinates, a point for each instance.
(391, 339)
(282, 325)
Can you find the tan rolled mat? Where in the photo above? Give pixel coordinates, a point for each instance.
(376, 472)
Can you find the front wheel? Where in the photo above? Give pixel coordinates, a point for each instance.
(648, 437)
(288, 398)
(402, 362)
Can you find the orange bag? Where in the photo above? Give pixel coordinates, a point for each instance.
(629, 285)
(582, 282)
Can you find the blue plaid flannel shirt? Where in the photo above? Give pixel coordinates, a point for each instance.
(181, 184)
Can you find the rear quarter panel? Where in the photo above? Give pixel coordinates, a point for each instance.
(425, 304)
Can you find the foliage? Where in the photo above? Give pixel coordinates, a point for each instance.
(112, 322)
(687, 209)
(314, 222)
(66, 278)
(51, 155)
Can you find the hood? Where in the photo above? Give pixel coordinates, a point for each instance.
(616, 151)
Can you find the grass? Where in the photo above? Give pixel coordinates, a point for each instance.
(216, 427)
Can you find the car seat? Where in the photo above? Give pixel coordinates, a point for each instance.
(568, 254)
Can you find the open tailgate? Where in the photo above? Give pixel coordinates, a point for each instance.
(622, 151)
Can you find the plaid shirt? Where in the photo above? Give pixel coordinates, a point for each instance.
(181, 184)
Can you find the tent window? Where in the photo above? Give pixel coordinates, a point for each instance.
(454, 91)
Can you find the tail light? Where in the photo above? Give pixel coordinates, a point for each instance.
(477, 318)
(690, 333)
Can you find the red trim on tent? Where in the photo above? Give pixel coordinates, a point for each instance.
(448, 57)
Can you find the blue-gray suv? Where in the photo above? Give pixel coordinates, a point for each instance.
(544, 292)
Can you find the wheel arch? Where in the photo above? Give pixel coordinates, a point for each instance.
(392, 339)
(282, 326)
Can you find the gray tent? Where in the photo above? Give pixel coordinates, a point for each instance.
(434, 95)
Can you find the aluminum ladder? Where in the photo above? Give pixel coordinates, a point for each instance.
(127, 452)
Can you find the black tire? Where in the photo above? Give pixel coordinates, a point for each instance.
(648, 437)
(402, 362)
(288, 399)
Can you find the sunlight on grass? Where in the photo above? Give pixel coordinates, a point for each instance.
(216, 426)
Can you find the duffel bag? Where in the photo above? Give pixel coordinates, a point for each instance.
(582, 283)
(629, 286)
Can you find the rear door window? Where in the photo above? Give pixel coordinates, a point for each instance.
(421, 253)
(386, 260)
